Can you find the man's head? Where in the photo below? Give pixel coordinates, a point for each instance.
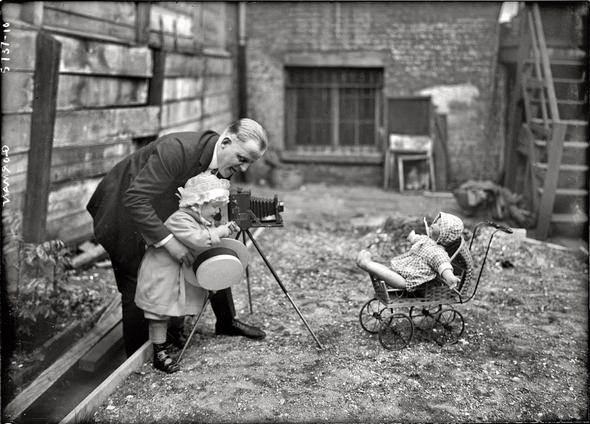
(243, 142)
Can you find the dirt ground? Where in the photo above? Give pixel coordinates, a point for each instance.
(522, 357)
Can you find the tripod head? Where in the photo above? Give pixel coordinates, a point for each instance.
(249, 211)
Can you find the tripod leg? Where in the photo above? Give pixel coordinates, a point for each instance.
(269, 266)
(248, 277)
(188, 340)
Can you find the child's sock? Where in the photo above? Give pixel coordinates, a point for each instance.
(157, 330)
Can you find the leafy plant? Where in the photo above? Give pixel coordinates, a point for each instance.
(42, 293)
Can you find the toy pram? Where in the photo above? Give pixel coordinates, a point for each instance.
(429, 306)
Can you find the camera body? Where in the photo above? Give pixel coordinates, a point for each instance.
(249, 211)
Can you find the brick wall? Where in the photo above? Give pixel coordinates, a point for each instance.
(443, 49)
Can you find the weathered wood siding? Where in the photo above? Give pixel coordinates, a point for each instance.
(106, 89)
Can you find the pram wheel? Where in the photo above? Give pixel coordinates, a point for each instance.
(449, 327)
(424, 318)
(397, 330)
(370, 316)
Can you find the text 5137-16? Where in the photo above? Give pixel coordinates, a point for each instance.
(5, 44)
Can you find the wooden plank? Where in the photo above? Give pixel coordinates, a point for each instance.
(57, 19)
(32, 12)
(72, 155)
(183, 88)
(142, 23)
(16, 131)
(551, 179)
(156, 86)
(217, 122)
(172, 43)
(70, 197)
(80, 171)
(42, 127)
(82, 91)
(98, 354)
(122, 13)
(214, 21)
(72, 231)
(181, 65)
(216, 103)
(84, 410)
(170, 21)
(514, 114)
(215, 84)
(180, 112)
(187, 126)
(46, 379)
(104, 126)
(545, 63)
(23, 52)
(17, 92)
(100, 58)
(218, 66)
(91, 255)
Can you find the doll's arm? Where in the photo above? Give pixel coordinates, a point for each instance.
(451, 279)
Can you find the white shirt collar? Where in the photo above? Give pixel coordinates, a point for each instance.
(214, 164)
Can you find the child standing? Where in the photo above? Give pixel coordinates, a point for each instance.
(162, 289)
(426, 258)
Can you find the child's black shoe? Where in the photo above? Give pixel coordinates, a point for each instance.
(163, 360)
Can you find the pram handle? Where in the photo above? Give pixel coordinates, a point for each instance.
(501, 227)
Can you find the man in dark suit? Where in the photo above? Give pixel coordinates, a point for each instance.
(133, 200)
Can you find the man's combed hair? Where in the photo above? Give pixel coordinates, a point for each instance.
(248, 129)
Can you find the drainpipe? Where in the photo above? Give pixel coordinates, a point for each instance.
(242, 78)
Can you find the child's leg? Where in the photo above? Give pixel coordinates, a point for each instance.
(389, 276)
(162, 360)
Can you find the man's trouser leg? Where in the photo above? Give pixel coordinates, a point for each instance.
(135, 326)
(222, 303)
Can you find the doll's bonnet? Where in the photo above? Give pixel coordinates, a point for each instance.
(450, 226)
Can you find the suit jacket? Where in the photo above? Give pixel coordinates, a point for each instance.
(134, 199)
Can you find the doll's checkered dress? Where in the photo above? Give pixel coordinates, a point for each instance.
(426, 258)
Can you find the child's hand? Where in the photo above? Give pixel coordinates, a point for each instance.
(412, 236)
(234, 228)
(225, 230)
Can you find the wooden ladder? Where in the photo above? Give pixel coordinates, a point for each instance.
(553, 137)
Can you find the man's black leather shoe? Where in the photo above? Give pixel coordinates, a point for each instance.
(239, 328)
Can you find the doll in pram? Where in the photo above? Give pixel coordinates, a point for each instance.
(419, 288)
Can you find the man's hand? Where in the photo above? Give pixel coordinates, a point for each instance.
(179, 251)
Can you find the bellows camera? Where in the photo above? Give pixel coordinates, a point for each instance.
(249, 211)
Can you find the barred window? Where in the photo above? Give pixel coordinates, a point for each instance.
(333, 109)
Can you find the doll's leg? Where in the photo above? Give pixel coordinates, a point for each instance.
(381, 271)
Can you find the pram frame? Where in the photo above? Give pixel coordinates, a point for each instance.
(430, 305)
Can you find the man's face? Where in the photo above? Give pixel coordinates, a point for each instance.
(234, 156)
